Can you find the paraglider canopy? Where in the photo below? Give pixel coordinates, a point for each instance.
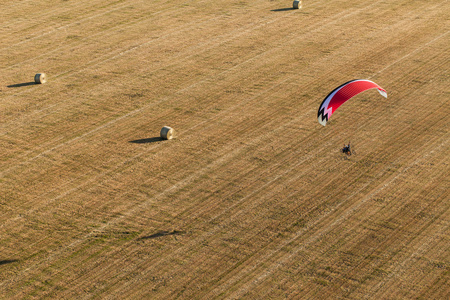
(343, 93)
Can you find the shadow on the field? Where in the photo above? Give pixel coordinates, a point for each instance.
(161, 233)
(22, 84)
(8, 261)
(283, 9)
(146, 141)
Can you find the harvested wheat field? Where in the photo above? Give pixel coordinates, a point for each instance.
(252, 199)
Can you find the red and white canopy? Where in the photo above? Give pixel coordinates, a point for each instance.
(341, 94)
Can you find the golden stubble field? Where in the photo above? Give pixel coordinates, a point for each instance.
(252, 200)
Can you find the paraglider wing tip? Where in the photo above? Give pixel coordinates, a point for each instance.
(322, 122)
(383, 93)
(324, 114)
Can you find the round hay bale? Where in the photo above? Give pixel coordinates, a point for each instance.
(167, 133)
(297, 4)
(40, 78)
